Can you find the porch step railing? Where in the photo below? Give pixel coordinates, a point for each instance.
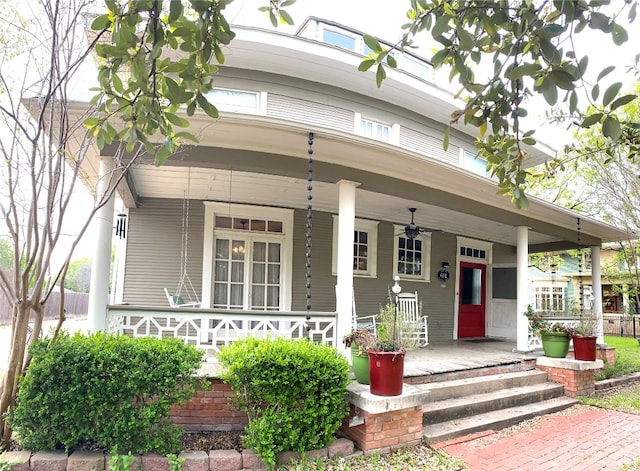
(211, 329)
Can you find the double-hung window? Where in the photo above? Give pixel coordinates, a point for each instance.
(412, 257)
(365, 247)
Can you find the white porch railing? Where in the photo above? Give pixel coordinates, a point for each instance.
(534, 340)
(210, 329)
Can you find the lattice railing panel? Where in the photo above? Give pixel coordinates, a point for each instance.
(210, 331)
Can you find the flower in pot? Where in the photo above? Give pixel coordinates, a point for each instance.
(555, 336)
(584, 339)
(386, 358)
(360, 340)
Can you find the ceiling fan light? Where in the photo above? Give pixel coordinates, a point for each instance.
(412, 232)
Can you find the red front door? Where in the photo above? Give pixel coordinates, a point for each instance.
(472, 296)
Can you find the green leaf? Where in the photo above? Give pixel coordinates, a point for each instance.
(549, 91)
(161, 156)
(441, 26)
(600, 21)
(520, 71)
(175, 10)
(372, 43)
(284, 16)
(176, 120)
(100, 22)
(573, 102)
(623, 100)
(611, 128)
(380, 75)
(366, 65)
(606, 71)
(591, 120)
(595, 91)
(207, 107)
(391, 61)
(619, 34)
(466, 38)
(445, 140)
(274, 20)
(611, 93)
(562, 79)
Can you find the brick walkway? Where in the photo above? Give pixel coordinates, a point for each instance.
(582, 438)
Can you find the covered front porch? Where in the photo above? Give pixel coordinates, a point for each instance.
(211, 329)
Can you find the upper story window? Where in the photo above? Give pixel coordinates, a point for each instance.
(550, 297)
(365, 247)
(375, 130)
(416, 67)
(412, 257)
(474, 164)
(339, 38)
(236, 101)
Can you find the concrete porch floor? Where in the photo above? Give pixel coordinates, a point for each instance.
(460, 355)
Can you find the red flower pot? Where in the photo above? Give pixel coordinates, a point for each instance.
(386, 370)
(584, 348)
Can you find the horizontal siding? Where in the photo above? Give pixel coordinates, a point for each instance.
(154, 262)
(428, 145)
(310, 112)
(154, 242)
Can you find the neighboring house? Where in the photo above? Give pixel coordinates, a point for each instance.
(241, 194)
(558, 287)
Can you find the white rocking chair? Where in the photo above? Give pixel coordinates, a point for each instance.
(414, 325)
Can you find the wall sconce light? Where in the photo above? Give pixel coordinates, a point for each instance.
(444, 265)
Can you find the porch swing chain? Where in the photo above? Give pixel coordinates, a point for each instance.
(581, 289)
(185, 281)
(308, 234)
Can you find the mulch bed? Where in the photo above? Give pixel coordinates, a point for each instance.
(195, 441)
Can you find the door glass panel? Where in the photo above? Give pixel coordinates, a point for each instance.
(274, 253)
(259, 251)
(471, 286)
(273, 297)
(237, 293)
(237, 272)
(273, 274)
(257, 297)
(265, 282)
(258, 272)
(222, 271)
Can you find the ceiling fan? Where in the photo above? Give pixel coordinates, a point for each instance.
(411, 231)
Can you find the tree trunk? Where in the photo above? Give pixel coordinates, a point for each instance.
(19, 328)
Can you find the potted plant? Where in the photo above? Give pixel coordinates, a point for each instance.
(386, 358)
(584, 339)
(555, 336)
(360, 340)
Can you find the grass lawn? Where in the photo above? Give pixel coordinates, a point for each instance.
(627, 357)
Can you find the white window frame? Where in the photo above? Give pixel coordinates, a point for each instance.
(250, 212)
(425, 237)
(361, 225)
(470, 162)
(538, 286)
(236, 107)
(393, 133)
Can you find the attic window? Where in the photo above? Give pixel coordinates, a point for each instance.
(235, 101)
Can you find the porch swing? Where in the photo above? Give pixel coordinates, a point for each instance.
(185, 289)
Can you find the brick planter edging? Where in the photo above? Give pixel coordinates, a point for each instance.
(215, 460)
(577, 376)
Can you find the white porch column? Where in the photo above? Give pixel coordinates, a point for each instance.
(522, 323)
(344, 286)
(101, 266)
(596, 287)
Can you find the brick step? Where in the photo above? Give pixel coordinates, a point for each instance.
(482, 384)
(494, 420)
(460, 407)
(460, 370)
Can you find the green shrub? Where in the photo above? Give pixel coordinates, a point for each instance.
(292, 390)
(111, 391)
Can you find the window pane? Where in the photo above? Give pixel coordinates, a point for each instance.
(274, 252)
(257, 297)
(223, 222)
(237, 271)
(222, 248)
(273, 296)
(274, 226)
(220, 295)
(221, 271)
(237, 250)
(273, 274)
(339, 39)
(258, 225)
(258, 273)
(241, 224)
(259, 251)
(236, 296)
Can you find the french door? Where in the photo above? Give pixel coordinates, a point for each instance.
(247, 273)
